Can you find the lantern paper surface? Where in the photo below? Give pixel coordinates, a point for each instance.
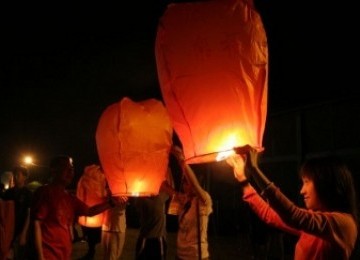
(91, 190)
(212, 64)
(133, 141)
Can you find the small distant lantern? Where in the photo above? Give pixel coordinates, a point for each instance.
(133, 142)
(212, 63)
(91, 190)
(7, 179)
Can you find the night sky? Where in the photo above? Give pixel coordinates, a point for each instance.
(62, 66)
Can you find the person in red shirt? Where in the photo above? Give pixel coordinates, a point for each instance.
(54, 209)
(328, 227)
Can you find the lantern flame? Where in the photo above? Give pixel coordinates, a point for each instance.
(228, 144)
(138, 186)
(223, 155)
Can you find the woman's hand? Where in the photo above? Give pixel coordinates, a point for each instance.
(117, 201)
(237, 162)
(244, 162)
(252, 160)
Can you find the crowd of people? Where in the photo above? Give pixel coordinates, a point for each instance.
(327, 228)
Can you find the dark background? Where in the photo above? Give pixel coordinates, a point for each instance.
(61, 66)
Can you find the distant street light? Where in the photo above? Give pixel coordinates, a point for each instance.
(35, 170)
(28, 160)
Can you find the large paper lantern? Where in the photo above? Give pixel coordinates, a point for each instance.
(133, 142)
(212, 64)
(91, 190)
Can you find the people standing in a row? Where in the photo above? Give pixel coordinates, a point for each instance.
(328, 227)
(54, 209)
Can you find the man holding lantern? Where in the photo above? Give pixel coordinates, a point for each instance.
(54, 209)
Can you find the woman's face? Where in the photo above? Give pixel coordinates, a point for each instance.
(309, 194)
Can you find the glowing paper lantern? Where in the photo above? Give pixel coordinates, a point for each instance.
(212, 63)
(91, 190)
(133, 141)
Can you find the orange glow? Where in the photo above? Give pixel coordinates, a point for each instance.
(223, 155)
(94, 221)
(28, 160)
(133, 142)
(212, 64)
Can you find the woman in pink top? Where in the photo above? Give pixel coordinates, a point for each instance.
(328, 227)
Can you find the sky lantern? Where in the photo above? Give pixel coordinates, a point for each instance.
(91, 190)
(212, 64)
(133, 142)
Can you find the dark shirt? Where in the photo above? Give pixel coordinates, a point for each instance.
(22, 198)
(152, 215)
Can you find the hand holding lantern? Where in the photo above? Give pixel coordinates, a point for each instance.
(244, 162)
(247, 157)
(237, 163)
(116, 201)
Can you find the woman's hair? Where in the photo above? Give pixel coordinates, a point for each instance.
(333, 183)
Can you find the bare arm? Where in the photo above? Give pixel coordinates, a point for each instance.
(23, 234)
(189, 174)
(38, 239)
(98, 208)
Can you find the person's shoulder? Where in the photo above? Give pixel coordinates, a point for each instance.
(207, 197)
(342, 218)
